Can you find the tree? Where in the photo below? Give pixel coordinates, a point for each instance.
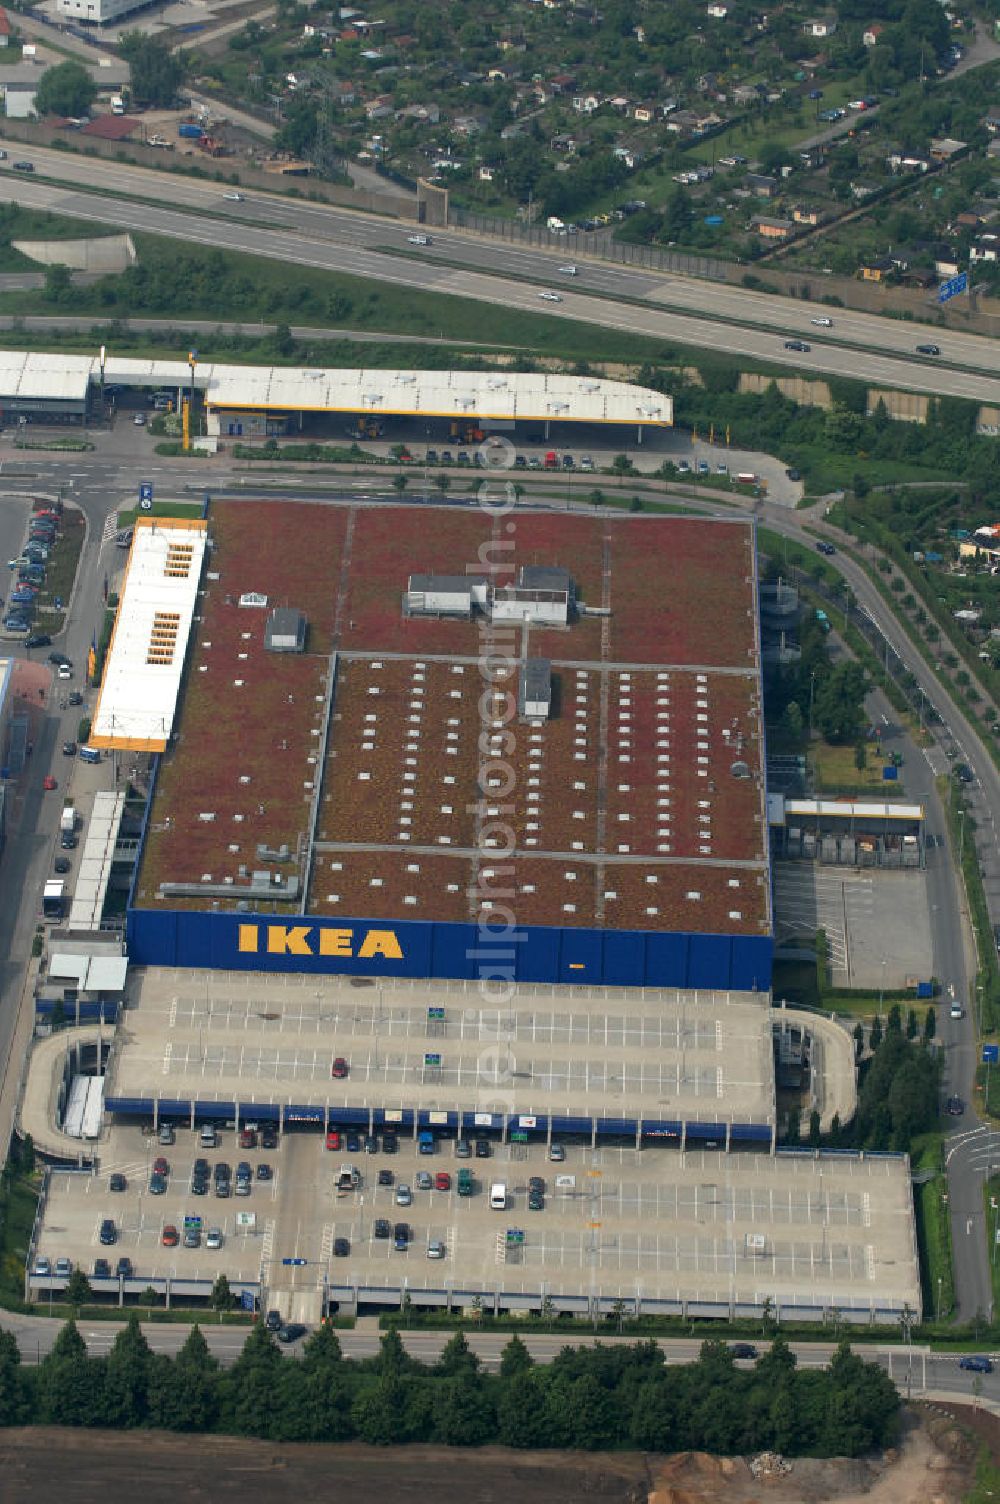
(65, 89)
(126, 1379)
(860, 755)
(70, 1384)
(248, 1388)
(157, 72)
(515, 1358)
(815, 1136)
(875, 1034)
(912, 1026)
(464, 1414)
(399, 484)
(521, 1412)
(930, 1024)
(894, 1022)
(15, 1404)
(322, 1351)
(457, 1358)
(443, 483)
(184, 1393)
(78, 1290)
(222, 1296)
(58, 283)
(859, 1041)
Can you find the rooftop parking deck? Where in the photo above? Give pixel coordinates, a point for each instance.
(598, 1051)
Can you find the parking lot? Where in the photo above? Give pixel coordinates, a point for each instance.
(655, 1225)
(877, 923)
(241, 1036)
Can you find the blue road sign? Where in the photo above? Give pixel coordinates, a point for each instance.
(247, 1302)
(295, 1261)
(953, 288)
(991, 1054)
(146, 495)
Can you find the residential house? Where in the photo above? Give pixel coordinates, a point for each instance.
(470, 124)
(510, 131)
(871, 34)
(342, 93)
(876, 269)
(967, 220)
(760, 184)
(946, 147)
(804, 215)
(993, 149)
(379, 108)
(645, 112)
(486, 173)
(629, 153)
(991, 119)
(420, 114)
(621, 103)
(718, 11)
(820, 26)
(745, 94)
(905, 161)
(985, 247)
(501, 73)
(562, 83)
(771, 229)
(683, 121)
(586, 104)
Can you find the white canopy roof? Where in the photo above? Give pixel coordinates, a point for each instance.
(142, 676)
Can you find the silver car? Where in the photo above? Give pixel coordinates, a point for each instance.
(404, 1196)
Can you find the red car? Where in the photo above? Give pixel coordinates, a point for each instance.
(170, 1236)
(442, 1181)
(333, 1139)
(248, 1138)
(49, 783)
(338, 1069)
(160, 1166)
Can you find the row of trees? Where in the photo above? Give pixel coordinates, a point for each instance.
(590, 1398)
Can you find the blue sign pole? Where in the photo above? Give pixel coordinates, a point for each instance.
(146, 495)
(295, 1262)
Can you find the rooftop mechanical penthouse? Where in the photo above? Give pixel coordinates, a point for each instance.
(402, 734)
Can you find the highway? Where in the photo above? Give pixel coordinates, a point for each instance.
(699, 314)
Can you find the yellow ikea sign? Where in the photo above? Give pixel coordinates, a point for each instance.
(308, 940)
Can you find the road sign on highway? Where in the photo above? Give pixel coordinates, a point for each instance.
(146, 495)
(991, 1054)
(953, 288)
(295, 1262)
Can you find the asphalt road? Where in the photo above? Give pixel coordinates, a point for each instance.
(733, 320)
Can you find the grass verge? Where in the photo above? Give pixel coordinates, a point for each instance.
(937, 1277)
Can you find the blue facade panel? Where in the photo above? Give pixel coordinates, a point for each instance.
(708, 962)
(226, 941)
(581, 957)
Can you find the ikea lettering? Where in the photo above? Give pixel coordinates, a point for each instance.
(308, 940)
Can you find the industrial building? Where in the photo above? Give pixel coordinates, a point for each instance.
(242, 400)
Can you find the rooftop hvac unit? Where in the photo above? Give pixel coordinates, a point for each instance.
(740, 770)
(590, 386)
(497, 383)
(647, 410)
(406, 378)
(466, 402)
(373, 397)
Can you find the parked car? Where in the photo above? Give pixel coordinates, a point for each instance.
(117, 1182)
(385, 1177)
(192, 1236)
(102, 1269)
(463, 1149)
(423, 1180)
(404, 1196)
(483, 1149)
(381, 1228)
(442, 1181)
(435, 1249)
(170, 1237)
(43, 1266)
(108, 1232)
(49, 783)
(123, 1268)
(292, 1332)
(333, 1139)
(214, 1238)
(401, 1236)
(353, 1143)
(557, 1153)
(390, 1143)
(274, 1321)
(339, 1068)
(263, 1170)
(61, 865)
(341, 1248)
(248, 1138)
(157, 1185)
(63, 1268)
(269, 1136)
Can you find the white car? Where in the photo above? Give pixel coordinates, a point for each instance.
(435, 1250)
(213, 1238)
(568, 271)
(234, 197)
(551, 297)
(822, 323)
(586, 463)
(418, 239)
(65, 672)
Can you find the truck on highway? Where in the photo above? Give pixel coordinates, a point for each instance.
(67, 820)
